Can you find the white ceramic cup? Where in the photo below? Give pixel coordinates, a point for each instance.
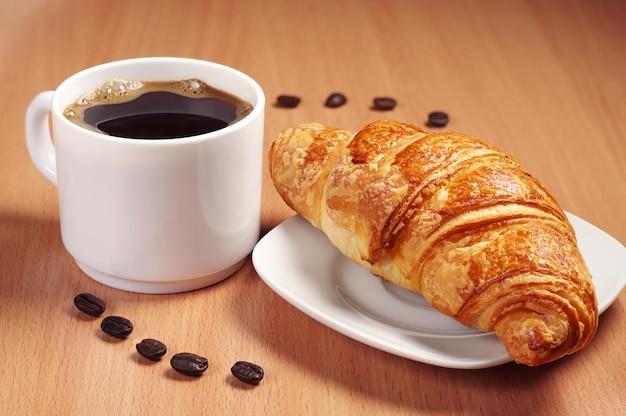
(153, 216)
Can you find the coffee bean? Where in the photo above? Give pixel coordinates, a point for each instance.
(151, 349)
(438, 119)
(247, 372)
(384, 103)
(89, 304)
(335, 100)
(116, 326)
(288, 101)
(189, 364)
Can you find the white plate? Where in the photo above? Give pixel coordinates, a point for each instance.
(300, 264)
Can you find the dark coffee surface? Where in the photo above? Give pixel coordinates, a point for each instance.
(161, 126)
(157, 109)
(162, 115)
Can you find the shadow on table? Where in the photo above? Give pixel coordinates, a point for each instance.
(34, 257)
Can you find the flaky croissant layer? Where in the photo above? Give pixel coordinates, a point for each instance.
(448, 216)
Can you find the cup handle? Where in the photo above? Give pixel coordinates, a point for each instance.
(38, 136)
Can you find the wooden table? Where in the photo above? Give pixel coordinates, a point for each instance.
(543, 80)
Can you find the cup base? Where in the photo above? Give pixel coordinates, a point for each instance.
(159, 288)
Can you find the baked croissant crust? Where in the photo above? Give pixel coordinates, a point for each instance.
(451, 217)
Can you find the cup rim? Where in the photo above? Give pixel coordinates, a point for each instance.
(257, 110)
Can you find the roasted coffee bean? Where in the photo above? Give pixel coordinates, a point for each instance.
(384, 103)
(438, 119)
(89, 304)
(189, 364)
(288, 101)
(116, 326)
(335, 100)
(152, 349)
(247, 372)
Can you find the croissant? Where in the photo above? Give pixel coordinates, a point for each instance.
(451, 217)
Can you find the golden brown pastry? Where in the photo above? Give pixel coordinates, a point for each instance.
(451, 217)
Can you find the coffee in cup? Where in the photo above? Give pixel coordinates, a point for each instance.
(156, 109)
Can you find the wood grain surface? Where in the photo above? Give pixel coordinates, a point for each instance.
(543, 80)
